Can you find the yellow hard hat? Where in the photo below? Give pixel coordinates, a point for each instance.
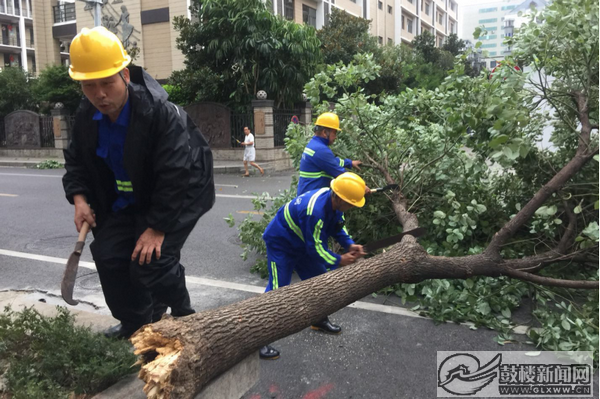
(96, 53)
(350, 187)
(330, 120)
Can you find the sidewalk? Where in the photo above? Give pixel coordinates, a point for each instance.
(220, 167)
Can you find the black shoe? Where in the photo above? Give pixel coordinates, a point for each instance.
(120, 331)
(326, 326)
(268, 353)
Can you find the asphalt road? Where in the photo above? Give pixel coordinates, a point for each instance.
(383, 352)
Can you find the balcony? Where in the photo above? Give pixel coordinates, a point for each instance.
(64, 12)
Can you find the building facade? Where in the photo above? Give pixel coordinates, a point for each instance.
(48, 26)
(392, 21)
(500, 20)
(17, 46)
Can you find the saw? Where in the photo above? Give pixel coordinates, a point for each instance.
(386, 242)
(68, 282)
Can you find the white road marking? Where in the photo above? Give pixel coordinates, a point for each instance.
(8, 195)
(29, 175)
(226, 185)
(373, 307)
(236, 196)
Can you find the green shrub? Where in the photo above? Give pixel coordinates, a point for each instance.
(49, 164)
(50, 357)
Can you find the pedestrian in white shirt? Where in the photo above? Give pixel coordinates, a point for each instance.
(250, 152)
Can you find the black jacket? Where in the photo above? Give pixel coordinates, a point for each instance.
(167, 159)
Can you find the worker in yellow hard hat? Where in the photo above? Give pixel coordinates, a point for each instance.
(139, 172)
(297, 238)
(318, 165)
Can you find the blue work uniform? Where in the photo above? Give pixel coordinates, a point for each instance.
(111, 147)
(319, 166)
(297, 238)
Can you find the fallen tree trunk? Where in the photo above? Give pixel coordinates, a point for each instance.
(180, 356)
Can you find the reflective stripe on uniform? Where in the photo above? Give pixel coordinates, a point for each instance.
(314, 175)
(290, 221)
(274, 274)
(313, 199)
(341, 162)
(319, 244)
(308, 151)
(124, 186)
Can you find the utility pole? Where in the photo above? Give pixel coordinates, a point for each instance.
(97, 4)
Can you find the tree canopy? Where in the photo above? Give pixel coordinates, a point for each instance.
(249, 49)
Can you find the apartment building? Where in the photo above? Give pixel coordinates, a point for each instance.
(48, 26)
(17, 46)
(393, 21)
(500, 20)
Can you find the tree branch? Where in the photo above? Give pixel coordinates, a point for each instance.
(550, 282)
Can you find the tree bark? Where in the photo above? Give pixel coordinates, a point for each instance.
(180, 356)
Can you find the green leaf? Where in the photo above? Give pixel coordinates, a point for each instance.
(484, 308)
(439, 214)
(506, 313)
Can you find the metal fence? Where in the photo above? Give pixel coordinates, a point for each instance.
(238, 122)
(47, 131)
(281, 119)
(2, 134)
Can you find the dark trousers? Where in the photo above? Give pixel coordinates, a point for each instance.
(139, 294)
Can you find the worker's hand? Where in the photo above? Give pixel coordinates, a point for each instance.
(150, 241)
(348, 258)
(358, 250)
(367, 190)
(356, 164)
(83, 212)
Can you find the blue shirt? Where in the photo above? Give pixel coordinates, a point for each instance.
(303, 226)
(111, 147)
(319, 166)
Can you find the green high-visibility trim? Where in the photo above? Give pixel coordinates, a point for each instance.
(274, 274)
(314, 175)
(313, 199)
(290, 222)
(319, 244)
(341, 162)
(308, 151)
(124, 186)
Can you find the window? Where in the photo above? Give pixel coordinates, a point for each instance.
(288, 9)
(427, 8)
(452, 5)
(380, 39)
(440, 41)
(484, 10)
(487, 21)
(508, 34)
(410, 1)
(509, 23)
(403, 23)
(390, 42)
(452, 27)
(492, 53)
(441, 18)
(409, 23)
(493, 64)
(490, 45)
(380, 5)
(31, 42)
(389, 9)
(505, 8)
(309, 15)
